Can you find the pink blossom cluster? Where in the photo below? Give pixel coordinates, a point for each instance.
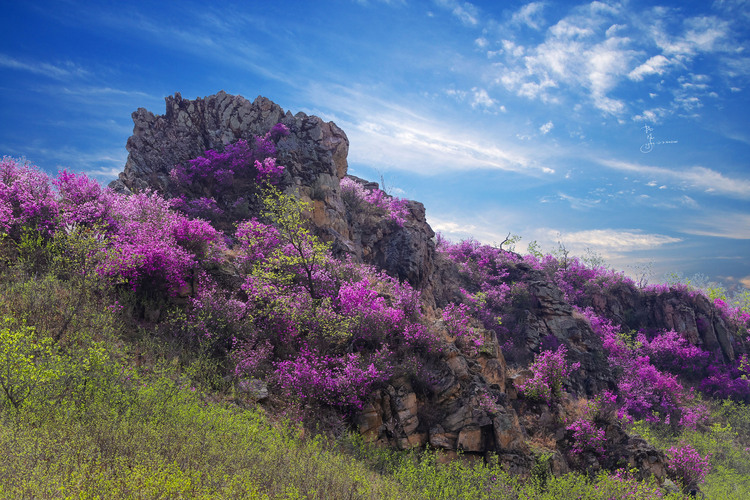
(586, 436)
(736, 314)
(687, 465)
(579, 281)
(144, 242)
(341, 381)
(672, 351)
(27, 199)
(644, 390)
(487, 268)
(330, 346)
(155, 246)
(550, 369)
(457, 319)
(207, 186)
(396, 209)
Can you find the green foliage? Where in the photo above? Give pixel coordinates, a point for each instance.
(27, 364)
(287, 214)
(535, 249)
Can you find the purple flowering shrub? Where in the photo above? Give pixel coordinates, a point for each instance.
(218, 183)
(143, 241)
(727, 382)
(336, 380)
(586, 436)
(579, 281)
(488, 269)
(735, 315)
(457, 320)
(27, 199)
(394, 209)
(154, 246)
(582, 421)
(644, 390)
(687, 465)
(550, 370)
(82, 201)
(671, 351)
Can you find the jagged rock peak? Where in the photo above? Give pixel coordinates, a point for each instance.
(190, 127)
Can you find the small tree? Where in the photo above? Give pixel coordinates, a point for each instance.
(301, 250)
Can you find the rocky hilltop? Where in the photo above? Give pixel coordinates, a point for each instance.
(447, 411)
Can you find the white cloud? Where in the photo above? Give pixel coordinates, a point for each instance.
(512, 49)
(731, 225)
(618, 240)
(566, 29)
(655, 65)
(56, 71)
(700, 34)
(573, 57)
(382, 132)
(544, 129)
(700, 178)
(466, 12)
(653, 115)
(529, 15)
(481, 98)
(578, 203)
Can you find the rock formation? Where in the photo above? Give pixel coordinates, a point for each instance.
(314, 156)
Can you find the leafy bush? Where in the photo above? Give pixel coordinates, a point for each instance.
(394, 209)
(688, 465)
(550, 369)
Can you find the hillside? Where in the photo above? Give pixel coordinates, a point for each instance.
(235, 248)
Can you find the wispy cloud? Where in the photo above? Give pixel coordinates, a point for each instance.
(103, 164)
(697, 177)
(616, 240)
(62, 71)
(655, 65)
(385, 132)
(530, 15)
(466, 12)
(732, 225)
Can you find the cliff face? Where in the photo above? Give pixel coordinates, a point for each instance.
(449, 414)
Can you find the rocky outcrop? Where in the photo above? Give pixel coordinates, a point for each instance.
(314, 155)
(691, 314)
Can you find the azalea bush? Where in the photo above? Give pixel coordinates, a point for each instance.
(550, 369)
(219, 183)
(687, 465)
(644, 390)
(355, 194)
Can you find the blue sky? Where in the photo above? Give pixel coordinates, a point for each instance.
(520, 117)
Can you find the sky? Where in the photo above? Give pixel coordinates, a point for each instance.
(617, 129)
